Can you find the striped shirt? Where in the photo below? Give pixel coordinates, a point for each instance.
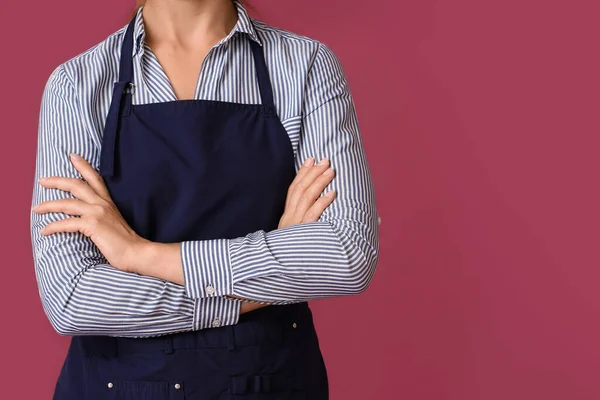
(83, 295)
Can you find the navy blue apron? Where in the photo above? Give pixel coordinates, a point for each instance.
(198, 170)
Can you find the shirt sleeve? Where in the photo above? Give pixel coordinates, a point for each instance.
(81, 294)
(332, 257)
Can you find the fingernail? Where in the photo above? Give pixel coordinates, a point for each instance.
(75, 156)
(323, 160)
(328, 171)
(34, 207)
(309, 161)
(331, 193)
(42, 179)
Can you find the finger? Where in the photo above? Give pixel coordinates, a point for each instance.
(91, 176)
(307, 180)
(314, 213)
(67, 206)
(64, 225)
(304, 168)
(311, 194)
(76, 187)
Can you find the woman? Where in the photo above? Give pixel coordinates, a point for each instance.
(183, 266)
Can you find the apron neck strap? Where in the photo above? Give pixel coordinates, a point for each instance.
(126, 62)
(262, 74)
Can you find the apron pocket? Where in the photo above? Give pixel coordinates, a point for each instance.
(266, 387)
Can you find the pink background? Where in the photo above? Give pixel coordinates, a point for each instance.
(481, 123)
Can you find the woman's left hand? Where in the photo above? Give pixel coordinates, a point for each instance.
(99, 218)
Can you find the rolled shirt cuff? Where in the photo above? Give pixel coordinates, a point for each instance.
(206, 268)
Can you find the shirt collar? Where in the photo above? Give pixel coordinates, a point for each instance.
(243, 25)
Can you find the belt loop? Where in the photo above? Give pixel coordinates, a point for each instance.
(231, 342)
(169, 344)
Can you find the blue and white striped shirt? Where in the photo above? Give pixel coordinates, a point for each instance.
(83, 295)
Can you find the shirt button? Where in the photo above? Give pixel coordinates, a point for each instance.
(379, 220)
(210, 289)
(216, 322)
(177, 386)
(110, 385)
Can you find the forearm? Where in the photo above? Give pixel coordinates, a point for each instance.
(101, 300)
(84, 295)
(297, 263)
(301, 262)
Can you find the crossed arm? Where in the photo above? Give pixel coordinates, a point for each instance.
(87, 289)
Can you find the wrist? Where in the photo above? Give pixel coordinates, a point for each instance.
(160, 260)
(141, 255)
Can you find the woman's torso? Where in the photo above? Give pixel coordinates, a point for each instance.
(268, 354)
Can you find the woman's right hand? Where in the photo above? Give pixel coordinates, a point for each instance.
(303, 203)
